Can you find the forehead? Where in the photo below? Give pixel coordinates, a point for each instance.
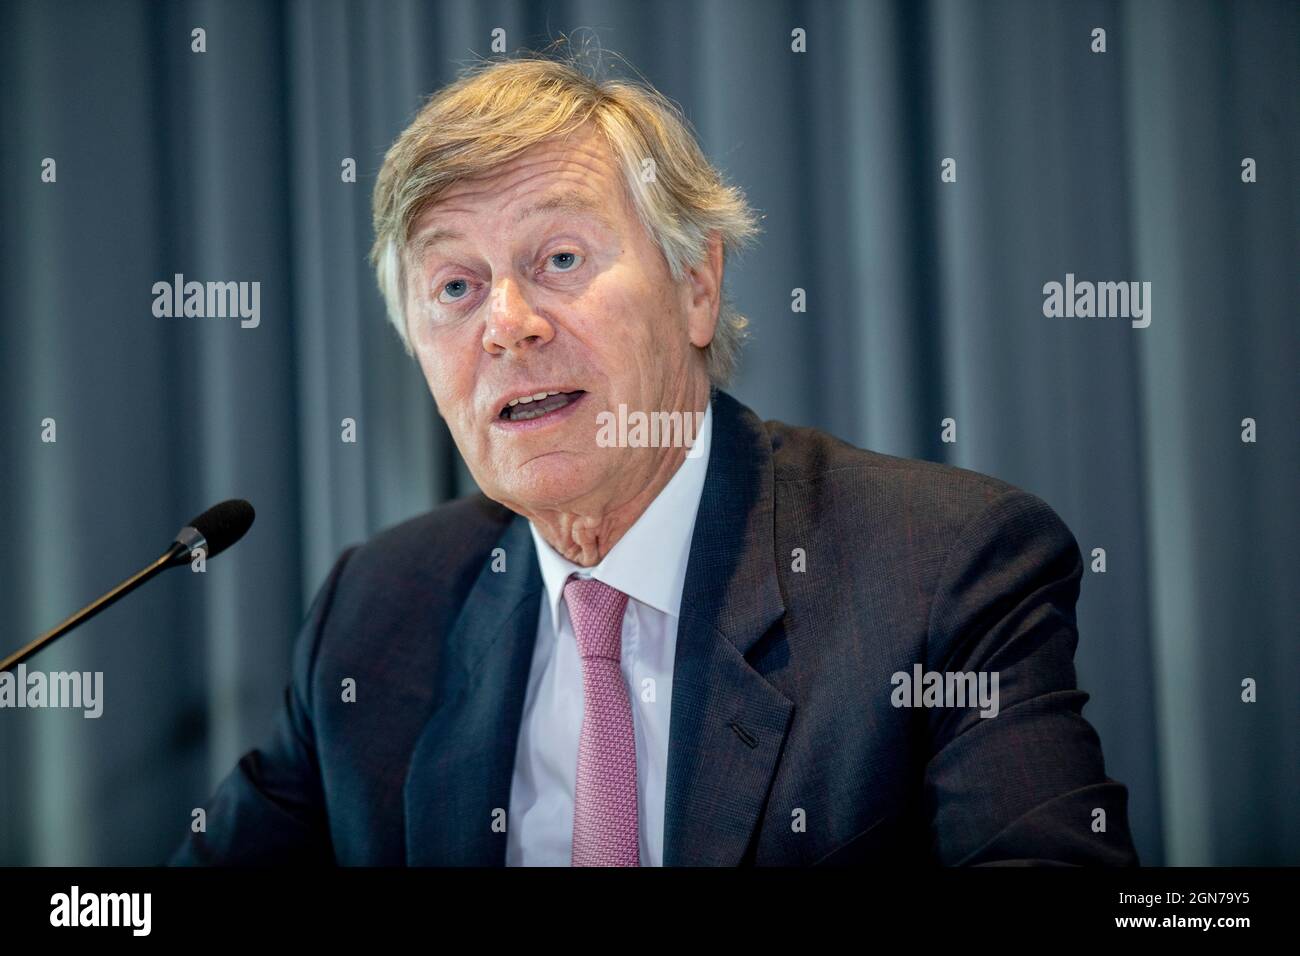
(577, 175)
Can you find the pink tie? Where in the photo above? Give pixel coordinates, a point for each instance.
(605, 807)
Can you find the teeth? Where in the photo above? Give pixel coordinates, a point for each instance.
(531, 398)
(544, 407)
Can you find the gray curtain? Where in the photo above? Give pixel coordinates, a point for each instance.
(924, 302)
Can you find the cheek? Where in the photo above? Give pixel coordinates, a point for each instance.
(640, 308)
(440, 376)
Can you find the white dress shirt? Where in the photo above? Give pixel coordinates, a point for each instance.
(649, 565)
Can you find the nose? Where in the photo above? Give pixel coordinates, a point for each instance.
(512, 324)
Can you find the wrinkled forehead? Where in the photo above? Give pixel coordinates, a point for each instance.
(578, 174)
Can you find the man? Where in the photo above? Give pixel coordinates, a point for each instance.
(769, 647)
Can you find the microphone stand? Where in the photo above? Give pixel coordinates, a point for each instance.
(176, 553)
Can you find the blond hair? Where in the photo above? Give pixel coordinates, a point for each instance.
(496, 109)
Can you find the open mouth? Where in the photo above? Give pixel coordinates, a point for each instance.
(527, 409)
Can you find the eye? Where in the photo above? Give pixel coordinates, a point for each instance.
(565, 261)
(453, 290)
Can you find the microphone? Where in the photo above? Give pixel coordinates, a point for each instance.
(211, 532)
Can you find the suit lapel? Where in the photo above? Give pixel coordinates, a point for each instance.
(461, 769)
(728, 723)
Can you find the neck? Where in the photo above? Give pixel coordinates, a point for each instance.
(585, 533)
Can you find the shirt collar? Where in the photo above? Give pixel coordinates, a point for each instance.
(648, 563)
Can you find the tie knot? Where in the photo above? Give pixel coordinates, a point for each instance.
(596, 610)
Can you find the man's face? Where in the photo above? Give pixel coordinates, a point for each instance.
(539, 278)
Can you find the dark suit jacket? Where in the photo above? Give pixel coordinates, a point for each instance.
(784, 746)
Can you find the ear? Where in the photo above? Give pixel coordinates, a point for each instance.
(704, 288)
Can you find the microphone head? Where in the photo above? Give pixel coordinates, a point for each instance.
(222, 525)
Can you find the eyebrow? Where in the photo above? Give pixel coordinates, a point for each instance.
(566, 201)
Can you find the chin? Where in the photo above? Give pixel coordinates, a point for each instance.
(549, 481)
